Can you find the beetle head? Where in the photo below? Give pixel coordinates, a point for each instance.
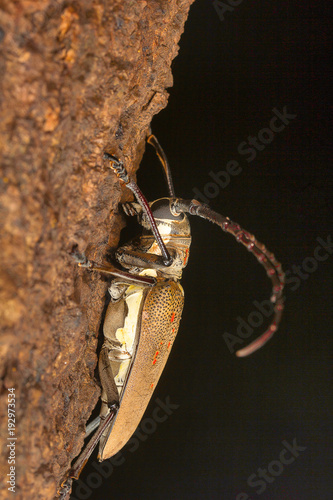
(174, 229)
(169, 223)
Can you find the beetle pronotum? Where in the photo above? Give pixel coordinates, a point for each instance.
(146, 304)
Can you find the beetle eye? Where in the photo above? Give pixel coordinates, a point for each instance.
(161, 210)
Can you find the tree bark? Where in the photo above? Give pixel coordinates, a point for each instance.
(77, 78)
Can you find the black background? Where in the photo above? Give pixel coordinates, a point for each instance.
(234, 413)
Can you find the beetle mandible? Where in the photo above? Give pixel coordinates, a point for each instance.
(146, 304)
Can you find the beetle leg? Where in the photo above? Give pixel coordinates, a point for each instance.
(92, 426)
(118, 273)
(75, 471)
(136, 258)
(132, 208)
(111, 395)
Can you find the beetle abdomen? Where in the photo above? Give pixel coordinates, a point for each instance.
(161, 315)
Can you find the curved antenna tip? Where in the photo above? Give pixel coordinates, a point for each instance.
(258, 343)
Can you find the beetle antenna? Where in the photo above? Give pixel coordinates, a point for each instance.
(121, 172)
(266, 258)
(164, 161)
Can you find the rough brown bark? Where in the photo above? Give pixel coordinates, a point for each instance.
(77, 78)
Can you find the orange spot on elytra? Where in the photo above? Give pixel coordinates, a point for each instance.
(161, 343)
(172, 317)
(156, 354)
(169, 344)
(173, 330)
(186, 255)
(152, 385)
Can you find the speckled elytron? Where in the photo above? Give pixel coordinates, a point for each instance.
(158, 321)
(146, 304)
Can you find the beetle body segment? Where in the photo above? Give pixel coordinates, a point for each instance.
(158, 311)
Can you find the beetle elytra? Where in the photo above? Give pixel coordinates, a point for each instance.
(146, 304)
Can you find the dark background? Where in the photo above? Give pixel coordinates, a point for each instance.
(234, 413)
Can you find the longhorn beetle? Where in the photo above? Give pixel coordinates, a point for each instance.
(146, 304)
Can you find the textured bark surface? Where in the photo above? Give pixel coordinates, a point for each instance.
(77, 78)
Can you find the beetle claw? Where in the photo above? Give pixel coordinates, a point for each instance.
(117, 166)
(130, 209)
(85, 263)
(65, 489)
(79, 258)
